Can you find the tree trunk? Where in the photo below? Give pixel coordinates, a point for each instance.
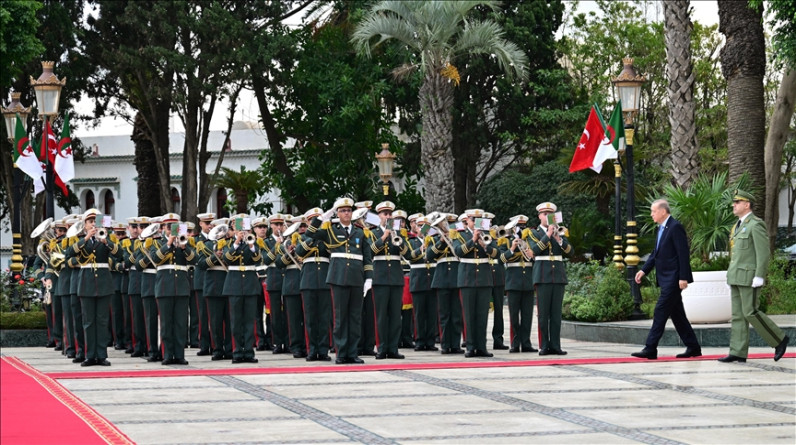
(682, 108)
(743, 64)
(778, 132)
(436, 100)
(148, 182)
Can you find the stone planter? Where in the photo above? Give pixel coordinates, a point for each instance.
(707, 299)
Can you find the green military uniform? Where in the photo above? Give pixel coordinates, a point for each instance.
(198, 300)
(62, 341)
(172, 290)
(273, 285)
(39, 273)
(291, 298)
(119, 277)
(75, 260)
(262, 331)
(316, 296)
(350, 265)
(94, 290)
(475, 281)
(145, 262)
(498, 293)
(242, 286)
(215, 274)
(749, 258)
(424, 298)
(445, 282)
(138, 345)
(388, 288)
(519, 286)
(550, 278)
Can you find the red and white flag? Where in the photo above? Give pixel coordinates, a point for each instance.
(588, 145)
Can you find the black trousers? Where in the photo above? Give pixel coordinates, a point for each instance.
(347, 303)
(450, 318)
(670, 305)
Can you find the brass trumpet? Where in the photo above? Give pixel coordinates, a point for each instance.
(183, 240)
(102, 233)
(523, 246)
(250, 239)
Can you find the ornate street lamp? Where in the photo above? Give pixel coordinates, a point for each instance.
(628, 88)
(386, 161)
(48, 96)
(10, 116)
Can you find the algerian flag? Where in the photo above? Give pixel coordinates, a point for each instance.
(64, 161)
(24, 157)
(613, 139)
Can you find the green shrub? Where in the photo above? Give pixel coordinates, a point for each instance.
(779, 292)
(606, 298)
(719, 262)
(23, 320)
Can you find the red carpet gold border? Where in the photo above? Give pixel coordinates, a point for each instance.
(263, 368)
(106, 430)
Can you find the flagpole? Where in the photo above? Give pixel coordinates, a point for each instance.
(631, 258)
(50, 201)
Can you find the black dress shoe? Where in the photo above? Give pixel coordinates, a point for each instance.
(250, 360)
(457, 350)
(179, 361)
(420, 348)
(217, 357)
(529, 349)
(324, 358)
(203, 352)
(237, 360)
(779, 351)
(137, 354)
(395, 355)
(118, 347)
(228, 356)
(558, 352)
(340, 361)
(432, 348)
(732, 358)
(103, 362)
(167, 361)
(59, 348)
(499, 346)
(89, 362)
(690, 352)
(71, 355)
(356, 360)
(544, 351)
(647, 354)
(446, 351)
(299, 354)
(312, 358)
(514, 350)
(262, 348)
(480, 353)
(79, 359)
(381, 356)
(279, 350)
(129, 351)
(50, 344)
(370, 353)
(155, 358)
(194, 345)
(469, 354)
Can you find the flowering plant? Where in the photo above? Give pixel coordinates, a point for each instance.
(19, 290)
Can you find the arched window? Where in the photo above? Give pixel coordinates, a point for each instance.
(175, 198)
(89, 200)
(109, 202)
(221, 200)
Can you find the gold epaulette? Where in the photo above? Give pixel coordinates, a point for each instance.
(526, 233)
(192, 242)
(503, 241)
(137, 244)
(368, 233)
(113, 238)
(325, 225)
(453, 234)
(261, 243)
(428, 240)
(295, 238)
(404, 233)
(53, 244)
(64, 243)
(126, 243)
(148, 243)
(220, 244)
(200, 246)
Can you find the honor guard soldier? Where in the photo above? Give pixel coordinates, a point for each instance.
(242, 254)
(53, 270)
(367, 340)
(198, 301)
(138, 345)
(498, 290)
(192, 339)
(146, 263)
(350, 275)
(445, 282)
(262, 333)
(172, 288)
(40, 266)
(549, 247)
(273, 284)
(215, 272)
(74, 260)
(119, 314)
(518, 260)
(475, 281)
(315, 293)
(387, 247)
(407, 313)
(421, 275)
(291, 291)
(95, 288)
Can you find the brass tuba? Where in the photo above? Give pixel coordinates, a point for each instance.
(287, 235)
(75, 230)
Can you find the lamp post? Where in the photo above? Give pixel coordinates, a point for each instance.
(48, 95)
(628, 87)
(10, 116)
(386, 161)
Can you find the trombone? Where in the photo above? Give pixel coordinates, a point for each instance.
(441, 224)
(523, 246)
(395, 238)
(216, 233)
(287, 242)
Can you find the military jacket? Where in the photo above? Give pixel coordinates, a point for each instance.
(172, 279)
(198, 273)
(212, 266)
(498, 268)
(275, 276)
(95, 280)
(475, 269)
(350, 261)
(74, 261)
(242, 275)
(548, 267)
(749, 252)
(144, 262)
(519, 271)
(63, 272)
(447, 271)
(315, 263)
(387, 267)
(129, 246)
(421, 272)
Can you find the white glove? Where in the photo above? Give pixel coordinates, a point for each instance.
(327, 215)
(366, 288)
(758, 282)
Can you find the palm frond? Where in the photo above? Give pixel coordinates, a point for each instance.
(486, 37)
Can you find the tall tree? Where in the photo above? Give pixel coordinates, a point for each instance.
(682, 106)
(437, 33)
(743, 64)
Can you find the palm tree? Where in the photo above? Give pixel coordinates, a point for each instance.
(244, 184)
(682, 107)
(436, 33)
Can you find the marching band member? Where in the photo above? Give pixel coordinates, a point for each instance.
(315, 293)
(262, 330)
(135, 325)
(445, 282)
(367, 340)
(273, 284)
(421, 275)
(519, 284)
(498, 292)
(291, 292)
(215, 274)
(119, 313)
(243, 287)
(146, 264)
(205, 224)
(74, 260)
(407, 339)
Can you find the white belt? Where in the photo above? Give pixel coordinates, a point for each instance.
(422, 266)
(448, 259)
(152, 271)
(173, 266)
(242, 268)
(549, 258)
(526, 264)
(349, 256)
(95, 266)
(319, 259)
(385, 258)
(132, 268)
(260, 268)
(474, 260)
(221, 268)
(292, 266)
(270, 266)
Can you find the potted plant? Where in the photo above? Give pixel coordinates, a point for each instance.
(705, 210)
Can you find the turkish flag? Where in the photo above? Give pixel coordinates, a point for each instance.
(589, 143)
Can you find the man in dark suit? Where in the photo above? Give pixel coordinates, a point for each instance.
(671, 261)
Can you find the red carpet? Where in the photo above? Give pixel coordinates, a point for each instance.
(35, 409)
(263, 368)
